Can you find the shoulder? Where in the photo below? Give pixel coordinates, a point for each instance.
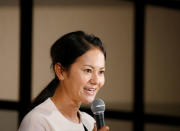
(44, 109)
(34, 120)
(87, 120)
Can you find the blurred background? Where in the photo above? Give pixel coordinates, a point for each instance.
(142, 39)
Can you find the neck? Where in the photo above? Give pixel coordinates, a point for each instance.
(66, 105)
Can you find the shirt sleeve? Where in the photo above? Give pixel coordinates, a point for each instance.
(32, 123)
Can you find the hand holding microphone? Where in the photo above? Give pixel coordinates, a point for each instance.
(98, 108)
(104, 128)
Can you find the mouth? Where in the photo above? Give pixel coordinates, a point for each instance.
(90, 91)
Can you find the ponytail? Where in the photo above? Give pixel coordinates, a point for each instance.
(45, 93)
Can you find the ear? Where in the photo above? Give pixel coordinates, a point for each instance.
(58, 68)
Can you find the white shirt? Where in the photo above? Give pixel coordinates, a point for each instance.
(46, 117)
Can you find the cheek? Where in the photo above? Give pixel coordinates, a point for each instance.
(84, 79)
(80, 79)
(102, 81)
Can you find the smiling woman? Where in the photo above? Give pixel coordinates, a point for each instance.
(78, 60)
(85, 77)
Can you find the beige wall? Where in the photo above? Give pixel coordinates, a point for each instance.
(116, 125)
(156, 127)
(162, 61)
(9, 52)
(9, 120)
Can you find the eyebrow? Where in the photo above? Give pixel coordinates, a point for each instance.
(93, 67)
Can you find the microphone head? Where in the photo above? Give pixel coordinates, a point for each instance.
(98, 106)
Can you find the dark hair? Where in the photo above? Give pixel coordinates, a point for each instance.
(65, 51)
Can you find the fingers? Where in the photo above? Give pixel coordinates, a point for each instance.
(95, 128)
(104, 128)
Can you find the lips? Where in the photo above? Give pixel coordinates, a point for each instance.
(90, 91)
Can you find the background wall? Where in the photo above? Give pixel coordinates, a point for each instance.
(113, 22)
(162, 61)
(9, 62)
(9, 51)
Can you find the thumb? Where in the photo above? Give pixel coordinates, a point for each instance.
(95, 128)
(104, 128)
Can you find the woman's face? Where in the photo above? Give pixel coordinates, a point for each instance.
(86, 76)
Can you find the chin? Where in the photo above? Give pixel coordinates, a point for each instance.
(88, 100)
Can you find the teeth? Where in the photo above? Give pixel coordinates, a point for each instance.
(89, 89)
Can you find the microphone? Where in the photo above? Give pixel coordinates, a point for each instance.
(98, 108)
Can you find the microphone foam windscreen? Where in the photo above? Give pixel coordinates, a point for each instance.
(98, 106)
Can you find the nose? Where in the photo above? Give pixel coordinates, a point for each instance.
(94, 79)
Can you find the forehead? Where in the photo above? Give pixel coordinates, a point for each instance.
(93, 57)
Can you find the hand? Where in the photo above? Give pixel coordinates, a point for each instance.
(104, 128)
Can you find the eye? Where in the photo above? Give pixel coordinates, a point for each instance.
(88, 70)
(101, 72)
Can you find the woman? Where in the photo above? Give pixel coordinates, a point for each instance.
(78, 60)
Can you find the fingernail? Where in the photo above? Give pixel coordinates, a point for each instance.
(107, 127)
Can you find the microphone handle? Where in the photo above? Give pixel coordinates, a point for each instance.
(99, 120)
